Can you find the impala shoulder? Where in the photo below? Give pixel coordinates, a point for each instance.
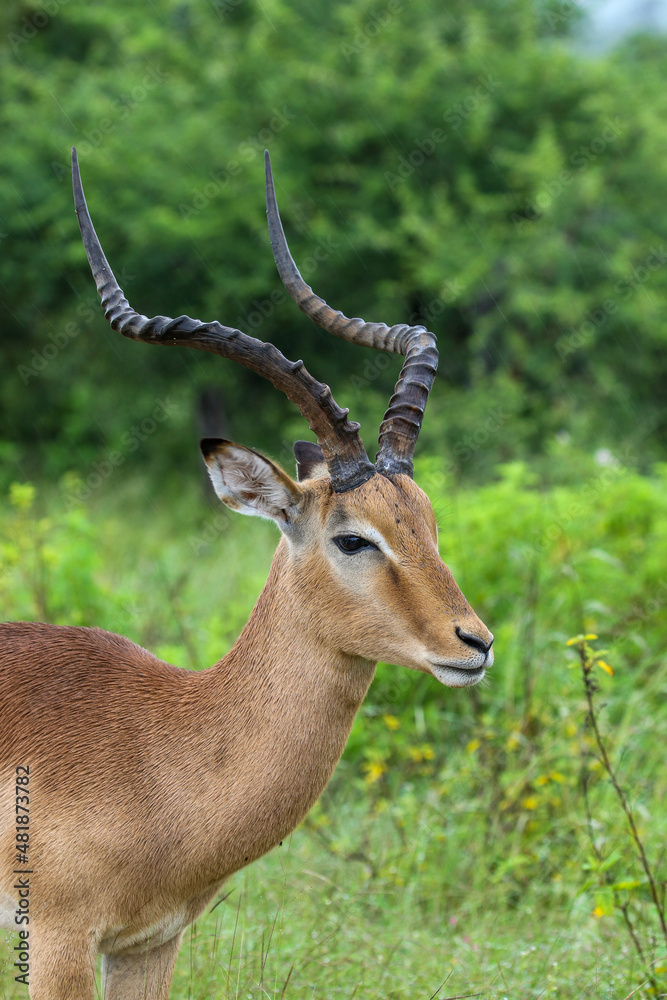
(60, 648)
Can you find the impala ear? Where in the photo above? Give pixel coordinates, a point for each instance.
(248, 482)
(310, 462)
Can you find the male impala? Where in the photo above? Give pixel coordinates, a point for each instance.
(148, 785)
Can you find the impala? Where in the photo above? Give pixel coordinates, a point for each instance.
(149, 785)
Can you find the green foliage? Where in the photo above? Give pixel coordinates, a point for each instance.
(456, 826)
(479, 174)
(49, 565)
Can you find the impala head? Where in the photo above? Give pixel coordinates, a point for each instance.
(360, 538)
(364, 564)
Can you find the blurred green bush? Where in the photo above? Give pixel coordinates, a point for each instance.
(465, 167)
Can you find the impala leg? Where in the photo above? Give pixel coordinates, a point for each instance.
(143, 976)
(61, 968)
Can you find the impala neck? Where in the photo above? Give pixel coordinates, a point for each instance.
(280, 707)
(277, 643)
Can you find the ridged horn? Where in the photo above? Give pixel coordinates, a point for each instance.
(403, 418)
(339, 438)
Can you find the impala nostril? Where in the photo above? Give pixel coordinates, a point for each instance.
(474, 640)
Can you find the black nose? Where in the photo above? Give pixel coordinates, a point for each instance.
(474, 641)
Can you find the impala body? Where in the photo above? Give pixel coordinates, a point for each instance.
(149, 785)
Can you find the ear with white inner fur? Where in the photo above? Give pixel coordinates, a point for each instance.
(246, 481)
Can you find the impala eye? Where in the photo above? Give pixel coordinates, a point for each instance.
(352, 543)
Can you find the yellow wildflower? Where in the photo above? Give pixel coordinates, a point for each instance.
(374, 771)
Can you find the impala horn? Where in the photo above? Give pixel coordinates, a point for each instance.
(403, 418)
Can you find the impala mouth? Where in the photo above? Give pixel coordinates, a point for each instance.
(457, 677)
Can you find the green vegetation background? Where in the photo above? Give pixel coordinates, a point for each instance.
(457, 164)
(464, 166)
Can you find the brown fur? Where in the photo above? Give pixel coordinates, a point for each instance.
(150, 785)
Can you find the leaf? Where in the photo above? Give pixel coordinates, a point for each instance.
(577, 639)
(610, 861)
(628, 883)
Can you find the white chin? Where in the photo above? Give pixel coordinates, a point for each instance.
(457, 677)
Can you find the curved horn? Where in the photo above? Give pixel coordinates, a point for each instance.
(344, 453)
(403, 418)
